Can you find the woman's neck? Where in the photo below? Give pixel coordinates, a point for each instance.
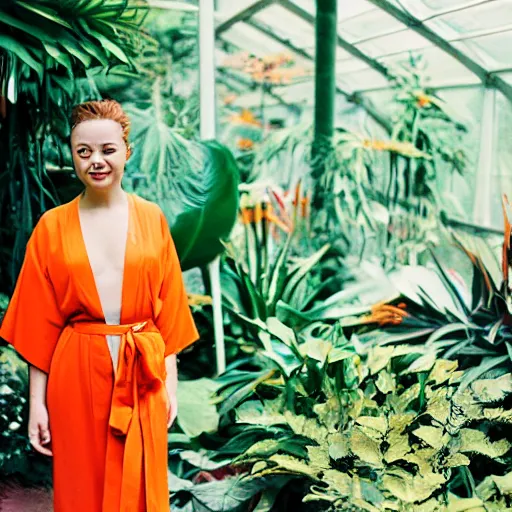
(103, 198)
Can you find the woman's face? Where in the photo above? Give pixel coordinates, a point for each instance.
(99, 153)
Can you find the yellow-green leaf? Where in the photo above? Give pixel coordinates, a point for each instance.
(438, 406)
(475, 441)
(412, 489)
(295, 466)
(504, 483)
(319, 457)
(442, 371)
(456, 459)
(258, 466)
(385, 382)
(339, 481)
(307, 427)
(377, 423)
(491, 390)
(433, 436)
(456, 504)
(378, 358)
(338, 446)
(365, 448)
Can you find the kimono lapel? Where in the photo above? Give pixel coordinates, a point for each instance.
(77, 254)
(132, 269)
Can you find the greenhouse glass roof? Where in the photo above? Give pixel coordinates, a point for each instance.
(464, 42)
(464, 52)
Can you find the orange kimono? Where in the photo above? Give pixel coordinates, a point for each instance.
(108, 427)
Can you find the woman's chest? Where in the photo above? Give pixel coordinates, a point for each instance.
(105, 241)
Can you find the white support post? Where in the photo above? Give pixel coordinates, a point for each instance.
(208, 130)
(482, 201)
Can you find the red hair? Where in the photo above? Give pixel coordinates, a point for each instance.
(101, 109)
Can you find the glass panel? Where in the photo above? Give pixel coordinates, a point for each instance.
(508, 78)
(251, 40)
(488, 16)
(361, 79)
(227, 8)
(423, 9)
(368, 24)
(252, 100)
(502, 178)
(288, 26)
(458, 192)
(248, 38)
(395, 43)
(341, 54)
(356, 119)
(384, 100)
(307, 5)
(492, 52)
(440, 69)
(235, 75)
(350, 65)
(303, 93)
(348, 9)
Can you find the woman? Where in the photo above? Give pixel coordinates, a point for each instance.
(99, 312)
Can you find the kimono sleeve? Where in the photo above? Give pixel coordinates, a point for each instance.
(174, 319)
(33, 323)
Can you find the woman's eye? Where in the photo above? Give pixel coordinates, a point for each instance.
(83, 152)
(109, 151)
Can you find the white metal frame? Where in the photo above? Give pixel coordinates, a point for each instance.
(482, 202)
(208, 131)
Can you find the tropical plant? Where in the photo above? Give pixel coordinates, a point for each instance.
(265, 264)
(44, 49)
(17, 459)
(437, 309)
(380, 430)
(173, 60)
(379, 195)
(195, 183)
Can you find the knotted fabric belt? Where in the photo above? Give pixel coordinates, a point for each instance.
(136, 459)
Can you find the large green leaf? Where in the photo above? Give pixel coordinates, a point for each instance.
(197, 413)
(196, 184)
(206, 216)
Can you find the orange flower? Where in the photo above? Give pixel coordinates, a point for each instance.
(247, 215)
(386, 314)
(199, 300)
(377, 145)
(245, 117)
(422, 100)
(229, 99)
(245, 144)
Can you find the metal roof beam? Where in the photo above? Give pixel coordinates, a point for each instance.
(353, 98)
(246, 14)
(243, 15)
(252, 84)
(286, 43)
(342, 43)
(417, 26)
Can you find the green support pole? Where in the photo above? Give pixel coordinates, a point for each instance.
(325, 89)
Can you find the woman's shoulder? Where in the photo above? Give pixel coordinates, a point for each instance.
(53, 217)
(152, 213)
(146, 206)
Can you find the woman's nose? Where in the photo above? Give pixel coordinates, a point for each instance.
(96, 158)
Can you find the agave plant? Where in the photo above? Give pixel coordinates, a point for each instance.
(436, 309)
(267, 267)
(44, 49)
